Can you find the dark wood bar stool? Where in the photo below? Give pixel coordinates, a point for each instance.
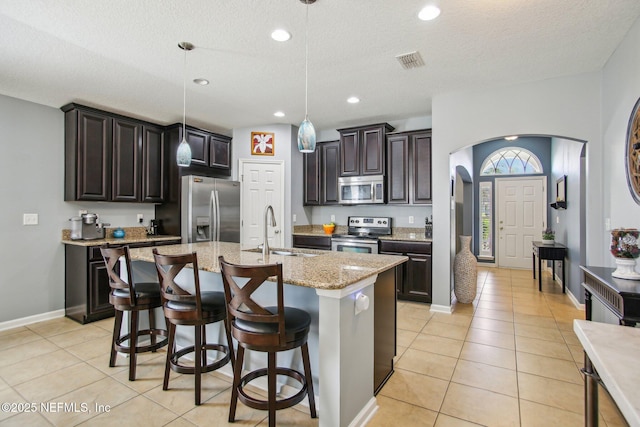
(196, 309)
(132, 298)
(266, 329)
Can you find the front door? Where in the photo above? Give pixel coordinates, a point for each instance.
(521, 218)
(262, 185)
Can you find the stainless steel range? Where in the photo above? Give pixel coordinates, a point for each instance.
(362, 234)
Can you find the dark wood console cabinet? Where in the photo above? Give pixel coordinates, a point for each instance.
(87, 283)
(362, 150)
(414, 276)
(409, 168)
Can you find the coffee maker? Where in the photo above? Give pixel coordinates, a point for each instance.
(91, 228)
(153, 227)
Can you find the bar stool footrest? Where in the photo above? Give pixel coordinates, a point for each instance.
(186, 369)
(121, 348)
(254, 403)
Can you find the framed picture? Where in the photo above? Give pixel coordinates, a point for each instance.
(263, 143)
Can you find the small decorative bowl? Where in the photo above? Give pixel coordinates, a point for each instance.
(118, 233)
(328, 229)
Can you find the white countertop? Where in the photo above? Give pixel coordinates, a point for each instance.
(615, 351)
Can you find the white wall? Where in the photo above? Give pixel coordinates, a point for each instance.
(567, 106)
(621, 90)
(32, 181)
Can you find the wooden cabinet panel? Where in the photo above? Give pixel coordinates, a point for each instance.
(153, 165)
(398, 169)
(199, 143)
(312, 242)
(330, 172)
(414, 280)
(219, 152)
(421, 145)
(373, 151)
(349, 153)
(125, 185)
(89, 138)
(311, 170)
(99, 305)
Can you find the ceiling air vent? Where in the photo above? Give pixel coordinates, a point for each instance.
(410, 60)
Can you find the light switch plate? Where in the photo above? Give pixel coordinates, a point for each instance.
(411, 220)
(30, 219)
(333, 218)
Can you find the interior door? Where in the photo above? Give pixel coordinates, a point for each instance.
(521, 218)
(262, 185)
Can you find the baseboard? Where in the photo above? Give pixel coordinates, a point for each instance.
(23, 321)
(365, 414)
(436, 308)
(574, 300)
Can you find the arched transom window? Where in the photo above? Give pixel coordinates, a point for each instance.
(511, 161)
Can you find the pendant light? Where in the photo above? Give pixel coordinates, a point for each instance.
(183, 156)
(306, 131)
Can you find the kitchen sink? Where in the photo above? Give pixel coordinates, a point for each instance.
(283, 252)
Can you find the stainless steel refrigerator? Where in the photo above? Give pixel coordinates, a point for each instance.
(210, 210)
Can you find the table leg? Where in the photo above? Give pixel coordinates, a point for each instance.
(533, 258)
(590, 394)
(563, 285)
(539, 273)
(587, 305)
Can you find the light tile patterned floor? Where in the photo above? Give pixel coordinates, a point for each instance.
(508, 359)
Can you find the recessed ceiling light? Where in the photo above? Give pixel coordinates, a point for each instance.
(278, 114)
(280, 35)
(353, 100)
(201, 82)
(429, 13)
(511, 138)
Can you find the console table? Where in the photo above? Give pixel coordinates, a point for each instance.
(621, 296)
(555, 252)
(611, 355)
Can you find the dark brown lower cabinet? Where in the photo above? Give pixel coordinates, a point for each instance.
(312, 242)
(414, 278)
(87, 282)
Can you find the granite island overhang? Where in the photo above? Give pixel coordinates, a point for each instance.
(351, 300)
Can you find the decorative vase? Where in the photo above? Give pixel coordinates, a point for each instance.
(548, 241)
(624, 247)
(465, 272)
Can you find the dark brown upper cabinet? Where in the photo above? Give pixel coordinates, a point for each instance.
(109, 157)
(210, 152)
(409, 168)
(219, 152)
(321, 172)
(362, 150)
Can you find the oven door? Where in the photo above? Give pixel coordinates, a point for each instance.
(360, 246)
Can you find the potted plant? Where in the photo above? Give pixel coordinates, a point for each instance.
(548, 236)
(624, 248)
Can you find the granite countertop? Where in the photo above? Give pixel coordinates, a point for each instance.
(328, 270)
(613, 350)
(132, 235)
(399, 233)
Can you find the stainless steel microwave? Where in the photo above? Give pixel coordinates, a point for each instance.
(355, 190)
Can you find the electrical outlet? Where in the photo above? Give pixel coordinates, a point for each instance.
(140, 218)
(82, 212)
(557, 220)
(30, 219)
(295, 217)
(607, 224)
(333, 218)
(411, 220)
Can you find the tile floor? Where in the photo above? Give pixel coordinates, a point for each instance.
(508, 359)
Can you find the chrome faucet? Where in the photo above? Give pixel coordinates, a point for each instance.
(265, 244)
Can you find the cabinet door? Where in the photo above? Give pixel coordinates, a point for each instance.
(421, 170)
(372, 151)
(330, 172)
(398, 169)
(127, 140)
(153, 165)
(219, 153)
(311, 170)
(199, 143)
(400, 274)
(99, 289)
(350, 153)
(418, 280)
(93, 156)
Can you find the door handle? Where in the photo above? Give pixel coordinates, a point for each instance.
(501, 228)
(276, 231)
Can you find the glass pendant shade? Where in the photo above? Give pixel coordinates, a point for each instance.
(184, 154)
(306, 137)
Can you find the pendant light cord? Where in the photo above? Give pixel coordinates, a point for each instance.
(306, 65)
(184, 94)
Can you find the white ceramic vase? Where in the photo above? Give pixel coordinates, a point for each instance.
(465, 272)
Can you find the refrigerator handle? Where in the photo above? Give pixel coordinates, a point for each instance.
(212, 214)
(217, 216)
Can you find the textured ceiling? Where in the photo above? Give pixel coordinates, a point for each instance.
(122, 55)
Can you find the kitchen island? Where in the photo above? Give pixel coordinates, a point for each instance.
(334, 287)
